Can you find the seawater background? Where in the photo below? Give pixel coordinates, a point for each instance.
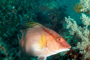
(13, 15)
(70, 11)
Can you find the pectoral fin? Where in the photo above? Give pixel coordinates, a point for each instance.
(41, 58)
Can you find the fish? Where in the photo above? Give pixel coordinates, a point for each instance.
(42, 42)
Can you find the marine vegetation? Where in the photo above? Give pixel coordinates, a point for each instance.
(82, 33)
(77, 8)
(82, 6)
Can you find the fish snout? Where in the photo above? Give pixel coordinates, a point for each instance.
(65, 44)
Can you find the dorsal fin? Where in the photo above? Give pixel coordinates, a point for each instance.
(33, 25)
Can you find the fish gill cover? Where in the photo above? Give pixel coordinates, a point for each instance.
(52, 14)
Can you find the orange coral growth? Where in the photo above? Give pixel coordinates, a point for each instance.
(77, 8)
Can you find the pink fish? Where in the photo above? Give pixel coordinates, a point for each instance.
(42, 42)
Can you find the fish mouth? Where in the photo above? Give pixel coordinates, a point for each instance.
(61, 50)
(58, 51)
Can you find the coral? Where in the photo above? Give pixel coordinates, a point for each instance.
(83, 6)
(78, 7)
(86, 5)
(82, 33)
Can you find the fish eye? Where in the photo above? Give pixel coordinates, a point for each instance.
(58, 39)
